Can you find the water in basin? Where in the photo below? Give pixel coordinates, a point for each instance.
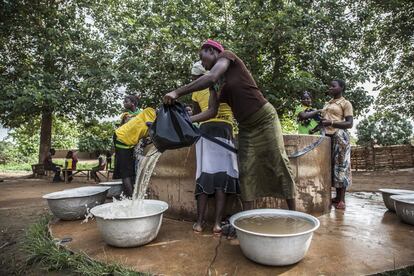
(274, 225)
(129, 209)
(136, 207)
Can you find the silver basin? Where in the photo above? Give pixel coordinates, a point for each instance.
(115, 188)
(137, 226)
(72, 204)
(387, 193)
(404, 207)
(270, 249)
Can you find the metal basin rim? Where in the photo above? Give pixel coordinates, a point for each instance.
(165, 208)
(396, 191)
(98, 190)
(250, 213)
(401, 198)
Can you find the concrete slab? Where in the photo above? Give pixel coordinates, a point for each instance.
(364, 239)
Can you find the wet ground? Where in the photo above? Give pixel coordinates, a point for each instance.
(364, 239)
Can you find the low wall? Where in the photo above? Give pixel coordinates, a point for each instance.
(174, 177)
(61, 153)
(382, 158)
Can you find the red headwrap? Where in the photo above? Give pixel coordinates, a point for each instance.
(216, 45)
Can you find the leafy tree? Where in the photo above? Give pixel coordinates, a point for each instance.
(6, 152)
(292, 46)
(384, 128)
(69, 57)
(289, 46)
(26, 138)
(156, 42)
(386, 50)
(97, 137)
(53, 61)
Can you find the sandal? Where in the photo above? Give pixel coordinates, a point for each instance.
(340, 205)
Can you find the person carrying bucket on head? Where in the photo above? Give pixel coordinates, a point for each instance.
(263, 163)
(217, 170)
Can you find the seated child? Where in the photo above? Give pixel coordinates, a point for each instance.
(70, 165)
(49, 165)
(102, 163)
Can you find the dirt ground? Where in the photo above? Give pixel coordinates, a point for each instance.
(372, 181)
(21, 204)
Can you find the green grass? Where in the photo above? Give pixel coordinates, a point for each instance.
(14, 166)
(51, 256)
(408, 271)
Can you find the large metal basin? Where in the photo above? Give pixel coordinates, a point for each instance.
(276, 250)
(404, 207)
(137, 228)
(387, 193)
(115, 188)
(72, 204)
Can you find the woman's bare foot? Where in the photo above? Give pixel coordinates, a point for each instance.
(198, 227)
(217, 230)
(335, 200)
(340, 205)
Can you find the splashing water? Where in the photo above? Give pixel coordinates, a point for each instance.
(130, 207)
(145, 167)
(126, 207)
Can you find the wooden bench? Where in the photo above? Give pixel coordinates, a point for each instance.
(39, 170)
(87, 173)
(84, 172)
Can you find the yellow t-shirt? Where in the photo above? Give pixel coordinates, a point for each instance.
(136, 128)
(69, 164)
(336, 110)
(224, 113)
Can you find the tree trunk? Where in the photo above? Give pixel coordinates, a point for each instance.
(45, 135)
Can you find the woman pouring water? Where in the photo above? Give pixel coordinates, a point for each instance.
(264, 169)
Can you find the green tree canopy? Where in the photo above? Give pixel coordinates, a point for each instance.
(289, 46)
(96, 137)
(25, 139)
(384, 128)
(386, 51)
(53, 60)
(69, 57)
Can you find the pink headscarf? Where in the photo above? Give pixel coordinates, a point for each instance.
(216, 45)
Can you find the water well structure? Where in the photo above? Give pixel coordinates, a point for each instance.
(173, 180)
